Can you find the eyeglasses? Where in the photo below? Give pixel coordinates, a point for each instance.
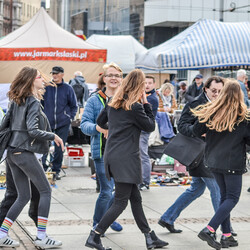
(53, 73)
(115, 76)
(215, 91)
(38, 77)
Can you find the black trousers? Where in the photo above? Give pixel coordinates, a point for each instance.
(123, 193)
(11, 195)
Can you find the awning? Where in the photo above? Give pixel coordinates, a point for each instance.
(206, 44)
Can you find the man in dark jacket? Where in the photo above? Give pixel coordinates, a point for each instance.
(60, 106)
(201, 177)
(195, 89)
(144, 137)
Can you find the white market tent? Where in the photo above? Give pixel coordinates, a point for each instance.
(205, 44)
(121, 49)
(42, 43)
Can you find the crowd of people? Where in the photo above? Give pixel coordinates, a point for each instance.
(119, 117)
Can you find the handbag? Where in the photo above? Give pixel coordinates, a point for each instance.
(189, 151)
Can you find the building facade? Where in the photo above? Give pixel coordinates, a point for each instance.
(111, 17)
(15, 13)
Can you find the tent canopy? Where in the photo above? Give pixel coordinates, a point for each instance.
(205, 44)
(120, 49)
(42, 43)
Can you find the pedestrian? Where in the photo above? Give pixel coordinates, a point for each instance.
(95, 104)
(30, 134)
(81, 88)
(126, 119)
(181, 94)
(195, 89)
(201, 176)
(60, 106)
(144, 137)
(226, 125)
(241, 76)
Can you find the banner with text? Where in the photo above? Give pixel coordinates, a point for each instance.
(28, 54)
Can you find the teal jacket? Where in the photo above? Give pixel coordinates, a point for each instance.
(93, 108)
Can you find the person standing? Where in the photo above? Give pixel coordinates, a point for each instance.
(126, 119)
(195, 89)
(30, 134)
(144, 137)
(60, 106)
(241, 76)
(226, 125)
(201, 176)
(81, 88)
(95, 104)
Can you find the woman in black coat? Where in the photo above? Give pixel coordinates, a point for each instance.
(226, 123)
(126, 117)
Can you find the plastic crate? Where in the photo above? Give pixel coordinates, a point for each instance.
(74, 161)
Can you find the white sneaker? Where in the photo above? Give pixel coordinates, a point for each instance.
(47, 243)
(8, 242)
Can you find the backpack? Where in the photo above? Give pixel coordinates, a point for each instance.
(79, 90)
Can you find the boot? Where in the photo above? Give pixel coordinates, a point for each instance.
(152, 241)
(227, 242)
(210, 238)
(94, 241)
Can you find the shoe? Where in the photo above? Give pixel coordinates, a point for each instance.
(248, 190)
(170, 227)
(152, 241)
(57, 177)
(227, 242)
(210, 238)
(143, 187)
(94, 241)
(232, 231)
(8, 242)
(47, 243)
(116, 226)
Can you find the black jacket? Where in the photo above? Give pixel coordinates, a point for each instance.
(225, 151)
(185, 126)
(29, 125)
(191, 92)
(122, 155)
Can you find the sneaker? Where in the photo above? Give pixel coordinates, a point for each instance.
(116, 226)
(8, 242)
(57, 177)
(47, 243)
(227, 242)
(143, 187)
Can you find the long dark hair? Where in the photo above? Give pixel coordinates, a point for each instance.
(22, 85)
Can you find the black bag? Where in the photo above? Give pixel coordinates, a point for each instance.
(189, 151)
(5, 135)
(79, 90)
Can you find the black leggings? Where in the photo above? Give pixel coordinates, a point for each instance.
(123, 193)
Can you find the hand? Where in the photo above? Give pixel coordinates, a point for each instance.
(102, 130)
(59, 142)
(144, 97)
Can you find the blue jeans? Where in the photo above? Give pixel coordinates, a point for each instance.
(105, 197)
(145, 160)
(58, 153)
(197, 188)
(230, 189)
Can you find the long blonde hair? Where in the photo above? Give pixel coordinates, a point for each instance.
(226, 111)
(130, 90)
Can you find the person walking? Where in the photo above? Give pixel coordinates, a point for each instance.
(60, 106)
(201, 176)
(226, 125)
(144, 137)
(95, 104)
(126, 119)
(30, 134)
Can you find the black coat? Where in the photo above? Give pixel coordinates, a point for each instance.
(122, 155)
(185, 126)
(191, 92)
(225, 151)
